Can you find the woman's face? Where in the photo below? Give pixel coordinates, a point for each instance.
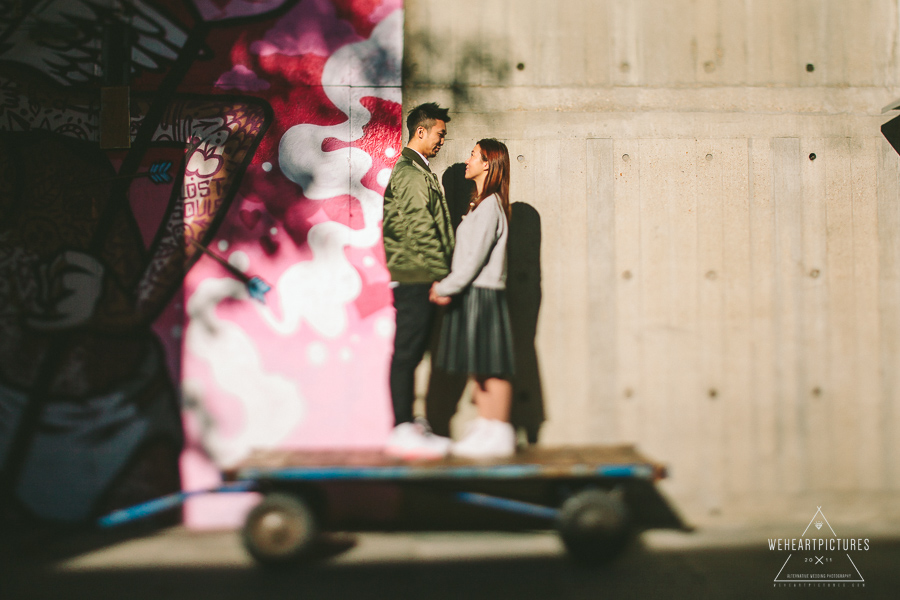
(476, 166)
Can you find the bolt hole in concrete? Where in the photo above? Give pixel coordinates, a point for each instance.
(810, 67)
(812, 156)
(520, 66)
(709, 157)
(626, 158)
(520, 158)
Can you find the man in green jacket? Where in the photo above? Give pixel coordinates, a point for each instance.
(418, 245)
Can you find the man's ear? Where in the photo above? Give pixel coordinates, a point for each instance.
(421, 132)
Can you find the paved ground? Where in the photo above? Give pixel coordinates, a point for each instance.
(178, 564)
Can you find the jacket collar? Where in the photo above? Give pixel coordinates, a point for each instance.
(415, 157)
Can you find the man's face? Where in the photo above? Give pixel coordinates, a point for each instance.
(433, 138)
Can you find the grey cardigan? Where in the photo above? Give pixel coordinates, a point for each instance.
(479, 258)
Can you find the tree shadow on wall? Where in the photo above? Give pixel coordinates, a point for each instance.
(472, 66)
(523, 293)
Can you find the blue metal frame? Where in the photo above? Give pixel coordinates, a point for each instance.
(164, 503)
(247, 480)
(507, 505)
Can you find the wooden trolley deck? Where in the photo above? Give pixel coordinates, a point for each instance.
(597, 497)
(534, 463)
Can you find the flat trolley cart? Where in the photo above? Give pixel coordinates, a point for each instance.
(597, 498)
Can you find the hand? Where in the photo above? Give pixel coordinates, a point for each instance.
(71, 286)
(439, 300)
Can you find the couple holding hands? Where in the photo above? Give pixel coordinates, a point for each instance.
(468, 276)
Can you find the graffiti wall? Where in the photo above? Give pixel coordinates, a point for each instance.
(214, 281)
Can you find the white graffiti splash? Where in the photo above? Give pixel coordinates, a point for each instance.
(318, 290)
(271, 404)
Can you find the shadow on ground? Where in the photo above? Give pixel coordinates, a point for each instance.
(643, 572)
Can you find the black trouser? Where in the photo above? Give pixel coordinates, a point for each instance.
(415, 318)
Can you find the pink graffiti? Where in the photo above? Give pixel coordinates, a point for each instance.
(315, 239)
(241, 78)
(311, 27)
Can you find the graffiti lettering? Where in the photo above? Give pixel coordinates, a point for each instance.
(192, 190)
(197, 208)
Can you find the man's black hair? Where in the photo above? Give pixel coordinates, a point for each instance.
(425, 115)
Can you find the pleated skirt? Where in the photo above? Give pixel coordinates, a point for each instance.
(476, 337)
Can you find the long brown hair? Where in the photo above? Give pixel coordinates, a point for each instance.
(496, 154)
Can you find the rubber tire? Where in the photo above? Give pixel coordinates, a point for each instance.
(279, 530)
(595, 526)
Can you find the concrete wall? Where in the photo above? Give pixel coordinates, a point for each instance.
(711, 292)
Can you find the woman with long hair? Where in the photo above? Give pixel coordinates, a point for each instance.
(476, 336)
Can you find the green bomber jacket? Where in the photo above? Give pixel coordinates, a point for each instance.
(418, 235)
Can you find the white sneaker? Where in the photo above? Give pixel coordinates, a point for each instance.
(486, 438)
(413, 441)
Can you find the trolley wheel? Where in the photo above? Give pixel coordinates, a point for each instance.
(594, 526)
(279, 530)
